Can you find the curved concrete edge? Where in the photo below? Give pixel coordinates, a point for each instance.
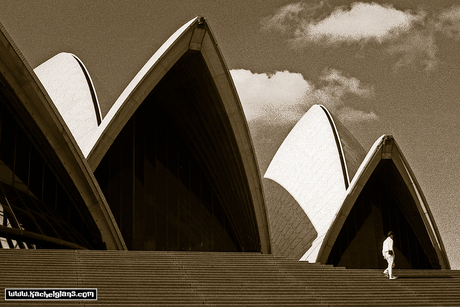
(422, 205)
(375, 154)
(226, 87)
(37, 104)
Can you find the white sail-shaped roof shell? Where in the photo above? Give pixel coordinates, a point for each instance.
(310, 165)
(70, 87)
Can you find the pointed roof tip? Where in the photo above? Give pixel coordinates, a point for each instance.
(62, 57)
(319, 119)
(201, 20)
(320, 106)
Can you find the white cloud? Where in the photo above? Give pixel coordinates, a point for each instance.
(278, 94)
(410, 38)
(284, 97)
(360, 22)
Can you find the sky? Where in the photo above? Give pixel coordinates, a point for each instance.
(381, 67)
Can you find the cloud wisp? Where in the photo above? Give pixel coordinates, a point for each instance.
(448, 22)
(284, 97)
(419, 49)
(286, 17)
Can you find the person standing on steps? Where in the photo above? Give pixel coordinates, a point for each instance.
(389, 255)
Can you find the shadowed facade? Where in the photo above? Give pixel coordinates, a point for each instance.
(176, 161)
(384, 195)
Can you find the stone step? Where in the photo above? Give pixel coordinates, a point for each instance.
(218, 279)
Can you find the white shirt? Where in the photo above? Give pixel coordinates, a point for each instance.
(387, 245)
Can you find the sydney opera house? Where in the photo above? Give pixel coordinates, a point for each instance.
(171, 167)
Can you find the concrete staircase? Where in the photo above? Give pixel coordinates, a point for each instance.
(136, 278)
